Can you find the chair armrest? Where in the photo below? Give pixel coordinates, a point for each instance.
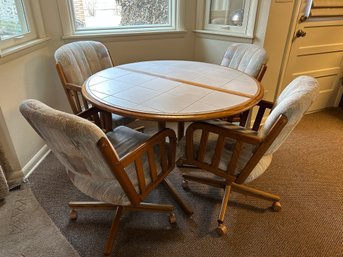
(89, 112)
(157, 139)
(101, 118)
(196, 152)
(227, 129)
(72, 86)
(167, 150)
(263, 106)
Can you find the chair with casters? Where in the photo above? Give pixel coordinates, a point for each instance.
(248, 58)
(236, 155)
(118, 169)
(75, 63)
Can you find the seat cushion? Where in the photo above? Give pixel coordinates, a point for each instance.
(109, 190)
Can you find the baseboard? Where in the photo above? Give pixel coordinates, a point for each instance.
(35, 161)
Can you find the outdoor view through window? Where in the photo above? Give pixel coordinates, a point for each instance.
(119, 14)
(12, 19)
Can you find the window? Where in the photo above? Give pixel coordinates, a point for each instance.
(232, 17)
(17, 23)
(113, 16)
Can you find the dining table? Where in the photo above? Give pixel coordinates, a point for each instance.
(172, 90)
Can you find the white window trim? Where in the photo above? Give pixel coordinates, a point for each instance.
(69, 31)
(36, 35)
(202, 26)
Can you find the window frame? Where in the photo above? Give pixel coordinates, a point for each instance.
(69, 30)
(244, 31)
(36, 32)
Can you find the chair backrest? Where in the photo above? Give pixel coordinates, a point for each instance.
(79, 60)
(248, 58)
(74, 141)
(286, 113)
(76, 62)
(293, 102)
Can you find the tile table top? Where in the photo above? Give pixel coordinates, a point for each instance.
(172, 90)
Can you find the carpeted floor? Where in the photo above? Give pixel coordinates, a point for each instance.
(307, 172)
(27, 231)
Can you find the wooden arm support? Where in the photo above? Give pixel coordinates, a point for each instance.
(147, 149)
(166, 159)
(73, 87)
(239, 135)
(224, 129)
(263, 106)
(101, 118)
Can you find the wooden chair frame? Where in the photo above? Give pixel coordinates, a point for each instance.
(73, 92)
(118, 165)
(227, 179)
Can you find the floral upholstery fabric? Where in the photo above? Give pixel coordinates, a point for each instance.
(293, 102)
(74, 142)
(247, 58)
(82, 59)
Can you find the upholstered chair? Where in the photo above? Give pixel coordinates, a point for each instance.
(118, 169)
(237, 155)
(248, 58)
(76, 62)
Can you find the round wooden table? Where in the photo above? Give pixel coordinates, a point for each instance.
(172, 90)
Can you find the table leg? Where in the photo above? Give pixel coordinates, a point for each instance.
(161, 125)
(180, 130)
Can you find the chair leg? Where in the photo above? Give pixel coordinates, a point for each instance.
(177, 197)
(239, 188)
(222, 229)
(92, 205)
(119, 209)
(180, 130)
(88, 205)
(206, 181)
(161, 125)
(113, 231)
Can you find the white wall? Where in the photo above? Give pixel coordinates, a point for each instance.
(29, 76)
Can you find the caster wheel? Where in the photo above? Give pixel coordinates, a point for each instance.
(185, 185)
(222, 230)
(73, 214)
(172, 218)
(276, 206)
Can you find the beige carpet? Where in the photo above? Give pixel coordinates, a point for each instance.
(307, 172)
(27, 231)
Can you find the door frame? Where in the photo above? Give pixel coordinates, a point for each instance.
(298, 10)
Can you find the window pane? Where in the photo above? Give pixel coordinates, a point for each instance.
(112, 14)
(227, 12)
(13, 21)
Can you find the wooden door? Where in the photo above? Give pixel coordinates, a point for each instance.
(316, 49)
